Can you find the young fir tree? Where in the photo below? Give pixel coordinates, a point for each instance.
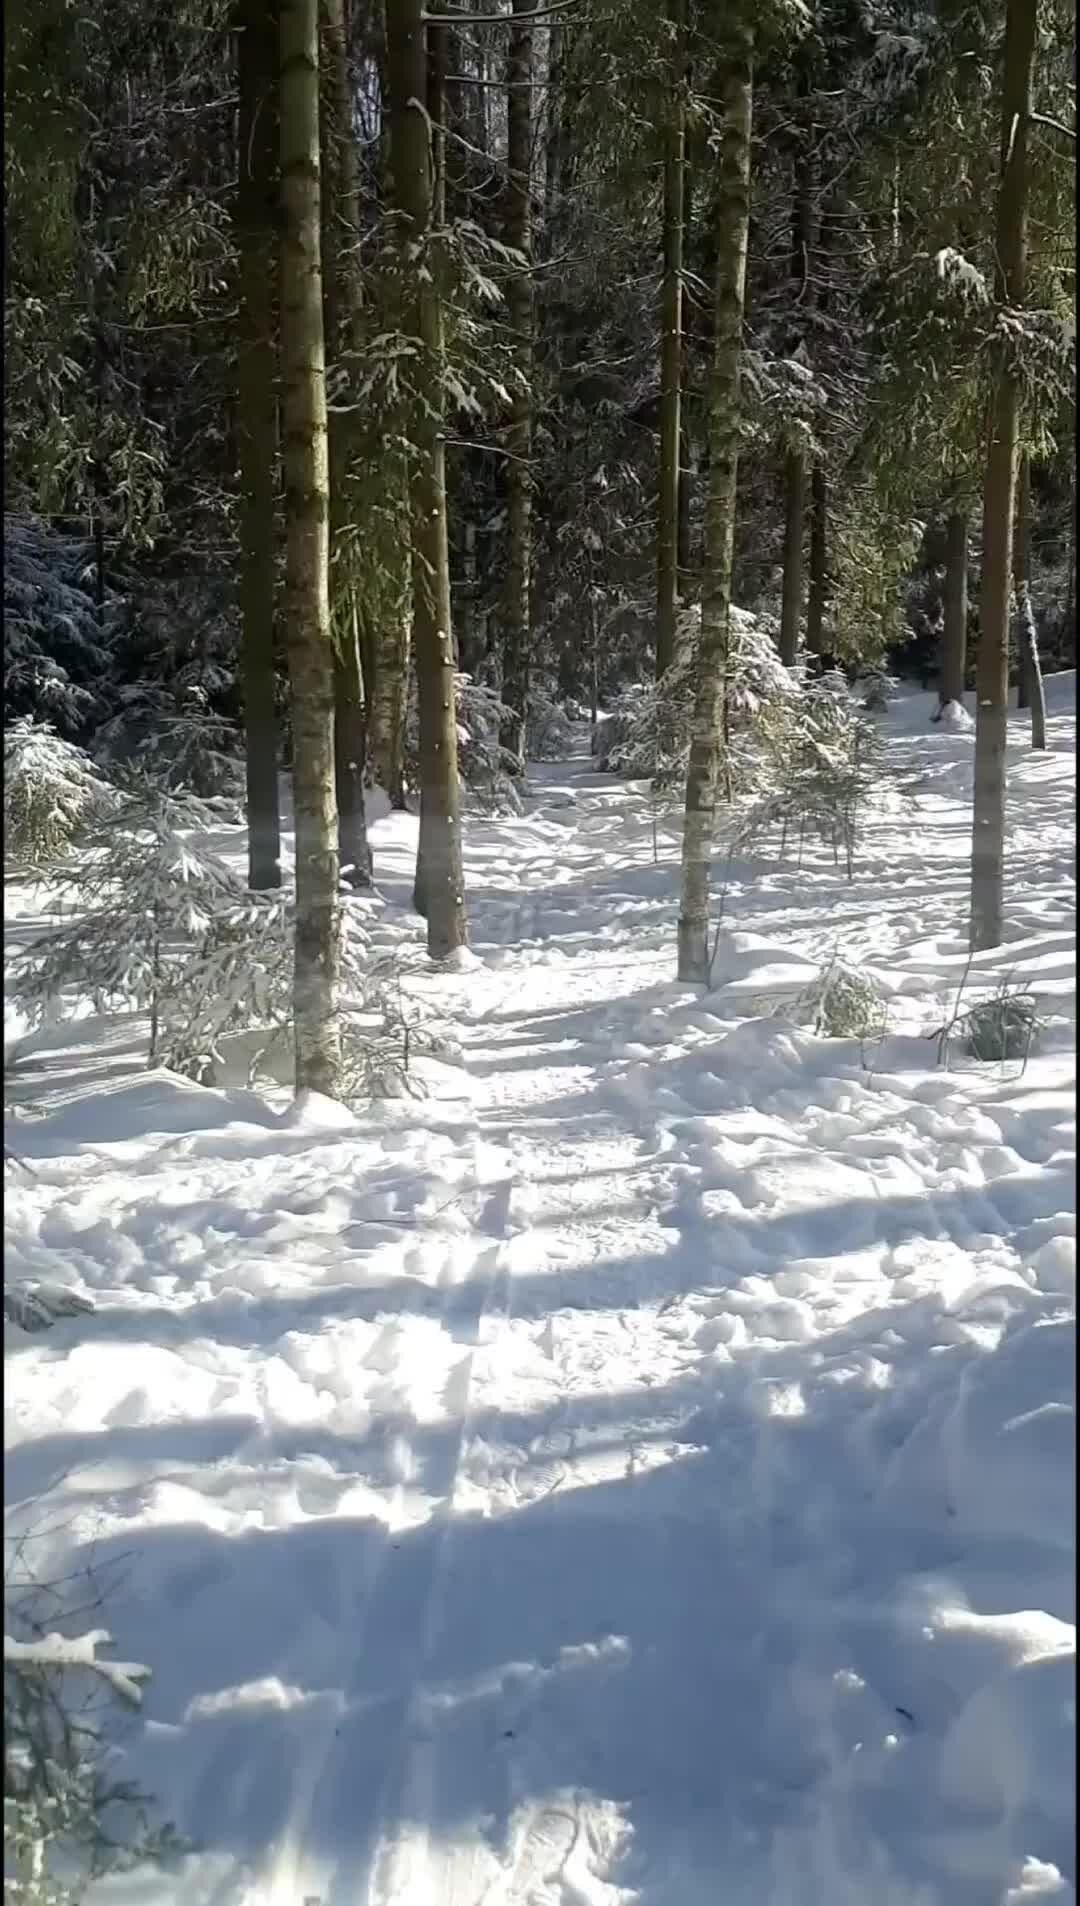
(307, 598)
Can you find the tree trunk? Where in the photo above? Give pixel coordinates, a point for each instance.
(342, 319)
(1021, 573)
(999, 497)
(440, 887)
(819, 557)
(954, 640)
(1028, 645)
(794, 524)
(257, 426)
(732, 223)
(1027, 635)
(667, 522)
(307, 597)
(517, 233)
(795, 460)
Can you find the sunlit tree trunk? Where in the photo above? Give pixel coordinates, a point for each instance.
(517, 233)
(999, 497)
(795, 459)
(342, 318)
(954, 639)
(440, 886)
(307, 597)
(257, 424)
(671, 297)
(733, 220)
(817, 593)
(1031, 691)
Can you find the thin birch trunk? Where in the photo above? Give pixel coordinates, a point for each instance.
(307, 552)
(999, 497)
(733, 220)
(671, 347)
(257, 425)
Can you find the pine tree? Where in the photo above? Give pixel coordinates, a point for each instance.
(440, 884)
(257, 429)
(307, 598)
(671, 344)
(517, 233)
(735, 87)
(999, 495)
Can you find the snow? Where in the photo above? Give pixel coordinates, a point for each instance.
(638, 1473)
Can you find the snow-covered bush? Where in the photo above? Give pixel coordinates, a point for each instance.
(236, 994)
(56, 653)
(1001, 1028)
(50, 790)
(488, 770)
(826, 762)
(877, 687)
(842, 1003)
(647, 734)
(548, 735)
(173, 736)
(146, 896)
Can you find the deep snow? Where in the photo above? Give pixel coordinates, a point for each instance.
(643, 1470)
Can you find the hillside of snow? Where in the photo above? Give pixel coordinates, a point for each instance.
(640, 1472)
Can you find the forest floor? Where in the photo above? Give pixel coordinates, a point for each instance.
(641, 1471)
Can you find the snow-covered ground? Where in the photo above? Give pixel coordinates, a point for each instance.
(643, 1470)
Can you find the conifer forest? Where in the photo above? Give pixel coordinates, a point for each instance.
(539, 812)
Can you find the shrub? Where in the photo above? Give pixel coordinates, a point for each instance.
(842, 1003)
(488, 770)
(50, 790)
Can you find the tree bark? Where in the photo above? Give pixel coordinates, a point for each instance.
(671, 351)
(795, 460)
(819, 559)
(954, 639)
(794, 524)
(440, 887)
(1021, 573)
(257, 425)
(1027, 635)
(307, 597)
(342, 319)
(733, 221)
(517, 233)
(999, 497)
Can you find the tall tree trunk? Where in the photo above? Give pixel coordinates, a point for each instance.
(257, 425)
(307, 551)
(733, 222)
(342, 319)
(667, 520)
(1027, 635)
(440, 886)
(795, 459)
(517, 233)
(954, 640)
(819, 560)
(795, 487)
(1021, 572)
(999, 497)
